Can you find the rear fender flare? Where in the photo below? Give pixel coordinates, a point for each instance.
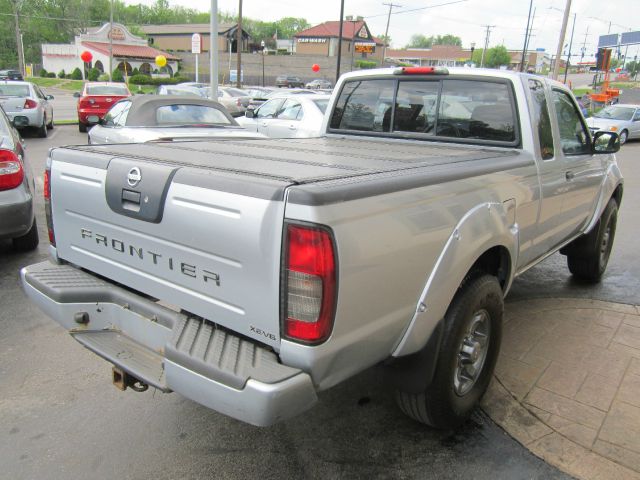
(485, 226)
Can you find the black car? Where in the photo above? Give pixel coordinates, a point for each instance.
(289, 81)
(10, 75)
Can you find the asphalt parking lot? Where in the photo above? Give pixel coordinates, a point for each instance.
(62, 418)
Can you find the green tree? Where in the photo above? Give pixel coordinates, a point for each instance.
(420, 41)
(497, 56)
(385, 39)
(117, 75)
(447, 39)
(76, 74)
(93, 75)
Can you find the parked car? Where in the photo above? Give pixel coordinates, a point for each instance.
(96, 99)
(146, 118)
(181, 89)
(17, 188)
(289, 81)
(10, 75)
(255, 102)
(298, 116)
(235, 100)
(319, 83)
(194, 84)
(621, 118)
(27, 106)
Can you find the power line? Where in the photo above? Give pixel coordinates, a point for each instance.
(417, 9)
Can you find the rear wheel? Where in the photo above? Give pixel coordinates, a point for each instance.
(42, 130)
(467, 357)
(29, 241)
(588, 256)
(82, 127)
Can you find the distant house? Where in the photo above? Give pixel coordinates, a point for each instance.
(128, 52)
(357, 40)
(177, 37)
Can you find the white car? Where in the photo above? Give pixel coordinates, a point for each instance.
(27, 106)
(298, 116)
(623, 119)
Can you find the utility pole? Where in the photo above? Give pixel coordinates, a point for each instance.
(16, 5)
(563, 32)
(213, 49)
(486, 43)
(526, 36)
(566, 70)
(111, 42)
(386, 32)
(239, 47)
(340, 40)
(530, 34)
(584, 45)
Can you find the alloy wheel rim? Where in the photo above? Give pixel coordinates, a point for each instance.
(472, 353)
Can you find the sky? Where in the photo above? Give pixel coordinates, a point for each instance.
(465, 18)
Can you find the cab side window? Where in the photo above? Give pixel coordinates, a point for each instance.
(574, 137)
(542, 121)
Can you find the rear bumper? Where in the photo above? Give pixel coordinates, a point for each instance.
(33, 116)
(84, 113)
(170, 350)
(16, 212)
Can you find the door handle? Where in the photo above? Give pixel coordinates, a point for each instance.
(292, 127)
(264, 124)
(569, 175)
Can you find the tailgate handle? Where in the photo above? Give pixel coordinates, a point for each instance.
(130, 200)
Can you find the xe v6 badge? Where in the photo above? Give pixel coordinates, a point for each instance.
(134, 176)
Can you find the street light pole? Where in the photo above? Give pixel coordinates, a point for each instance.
(340, 40)
(262, 45)
(473, 47)
(111, 42)
(213, 49)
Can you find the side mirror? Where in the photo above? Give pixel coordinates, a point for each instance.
(250, 113)
(49, 97)
(77, 94)
(605, 142)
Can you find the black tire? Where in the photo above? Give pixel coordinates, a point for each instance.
(624, 136)
(42, 130)
(29, 241)
(588, 256)
(82, 127)
(50, 124)
(447, 402)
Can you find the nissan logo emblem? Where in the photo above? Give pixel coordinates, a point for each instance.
(134, 176)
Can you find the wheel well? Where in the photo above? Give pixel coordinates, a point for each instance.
(617, 194)
(496, 261)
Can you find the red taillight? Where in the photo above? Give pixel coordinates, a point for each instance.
(11, 171)
(47, 202)
(29, 104)
(310, 284)
(420, 71)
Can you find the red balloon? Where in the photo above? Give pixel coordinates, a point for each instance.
(86, 56)
(315, 67)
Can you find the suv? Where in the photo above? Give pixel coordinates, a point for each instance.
(289, 81)
(11, 75)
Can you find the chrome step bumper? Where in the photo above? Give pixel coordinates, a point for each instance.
(170, 350)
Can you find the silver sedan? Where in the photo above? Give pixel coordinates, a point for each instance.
(623, 119)
(297, 116)
(27, 106)
(146, 118)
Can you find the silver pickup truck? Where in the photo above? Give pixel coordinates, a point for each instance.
(249, 275)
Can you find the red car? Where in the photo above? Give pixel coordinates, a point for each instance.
(96, 100)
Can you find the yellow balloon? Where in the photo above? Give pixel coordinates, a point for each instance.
(161, 60)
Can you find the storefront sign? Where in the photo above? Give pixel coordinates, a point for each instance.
(312, 40)
(362, 47)
(363, 33)
(117, 34)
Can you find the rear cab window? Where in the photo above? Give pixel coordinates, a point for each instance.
(467, 110)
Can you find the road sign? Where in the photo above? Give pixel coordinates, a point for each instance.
(630, 38)
(233, 76)
(608, 40)
(196, 43)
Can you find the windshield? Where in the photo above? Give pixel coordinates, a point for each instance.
(322, 104)
(234, 92)
(9, 90)
(190, 115)
(616, 113)
(106, 90)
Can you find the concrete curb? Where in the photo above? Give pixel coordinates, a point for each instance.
(549, 436)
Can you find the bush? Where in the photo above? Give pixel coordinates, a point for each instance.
(93, 74)
(43, 73)
(61, 74)
(135, 72)
(68, 76)
(140, 79)
(147, 80)
(76, 74)
(104, 77)
(117, 76)
(366, 64)
(51, 75)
